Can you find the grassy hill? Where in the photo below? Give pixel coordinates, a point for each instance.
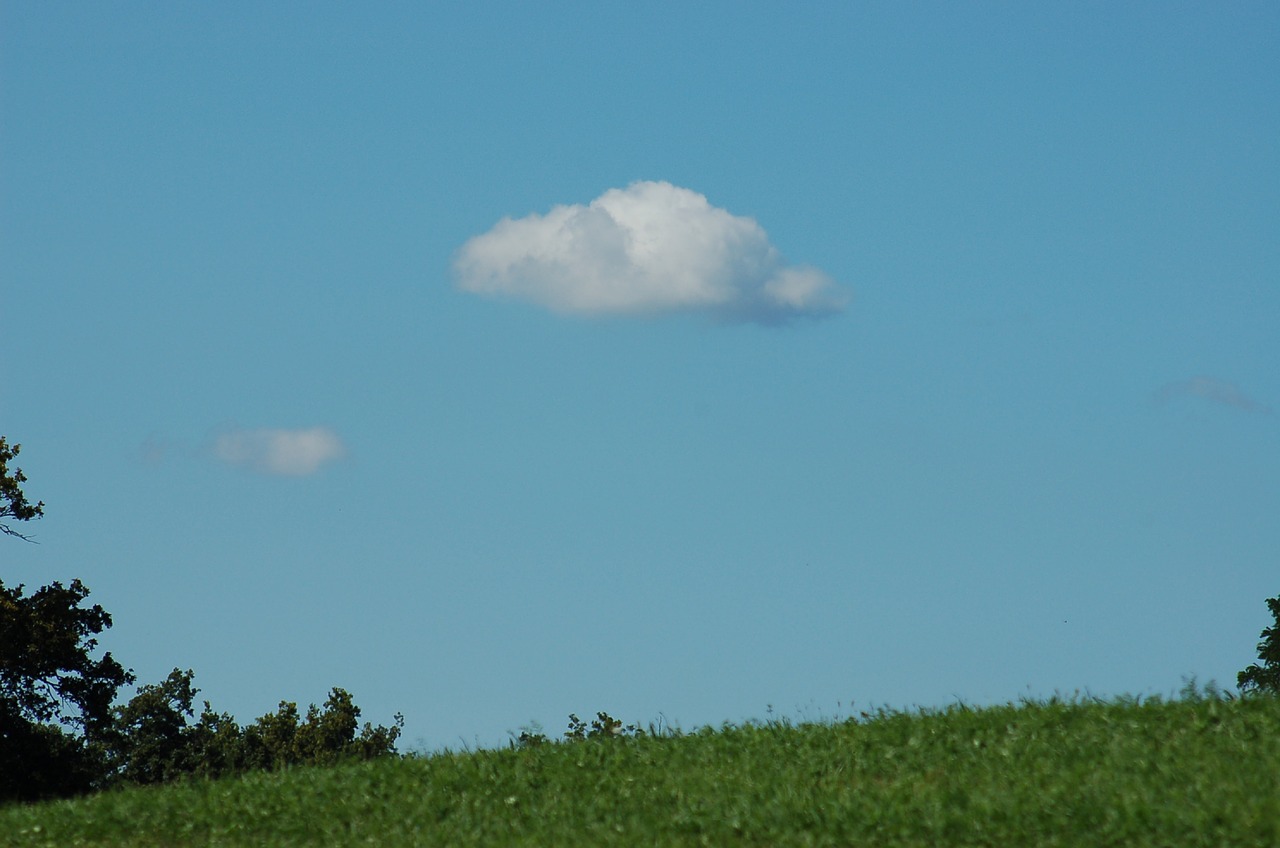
(1201, 770)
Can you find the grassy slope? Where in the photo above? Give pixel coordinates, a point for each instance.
(1201, 771)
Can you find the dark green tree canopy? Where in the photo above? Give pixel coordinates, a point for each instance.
(1265, 677)
(47, 671)
(55, 697)
(13, 503)
(155, 741)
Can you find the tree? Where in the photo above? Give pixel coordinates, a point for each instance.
(151, 741)
(1265, 677)
(326, 736)
(13, 503)
(55, 698)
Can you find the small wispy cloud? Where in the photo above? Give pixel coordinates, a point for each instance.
(291, 453)
(1211, 389)
(155, 450)
(648, 249)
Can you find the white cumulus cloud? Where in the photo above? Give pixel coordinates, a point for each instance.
(650, 248)
(293, 453)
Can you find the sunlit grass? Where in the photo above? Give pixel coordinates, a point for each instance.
(1197, 771)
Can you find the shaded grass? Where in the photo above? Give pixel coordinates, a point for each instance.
(1199, 771)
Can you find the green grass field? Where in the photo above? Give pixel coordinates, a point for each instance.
(1201, 770)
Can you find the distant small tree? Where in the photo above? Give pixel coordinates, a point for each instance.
(603, 726)
(152, 741)
(1265, 677)
(324, 737)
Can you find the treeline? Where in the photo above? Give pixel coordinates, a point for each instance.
(63, 731)
(156, 742)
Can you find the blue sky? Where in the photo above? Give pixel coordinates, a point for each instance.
(501, 361)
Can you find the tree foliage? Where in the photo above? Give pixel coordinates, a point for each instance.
(13, 503)
(325, 736)
(1265, 677)
(55, 697)
(156, 741)
(603, 726)
(151, 741)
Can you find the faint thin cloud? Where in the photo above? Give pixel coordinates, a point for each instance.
(155, 450)
(1212, 389)
(291, 453)
(648, 249)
